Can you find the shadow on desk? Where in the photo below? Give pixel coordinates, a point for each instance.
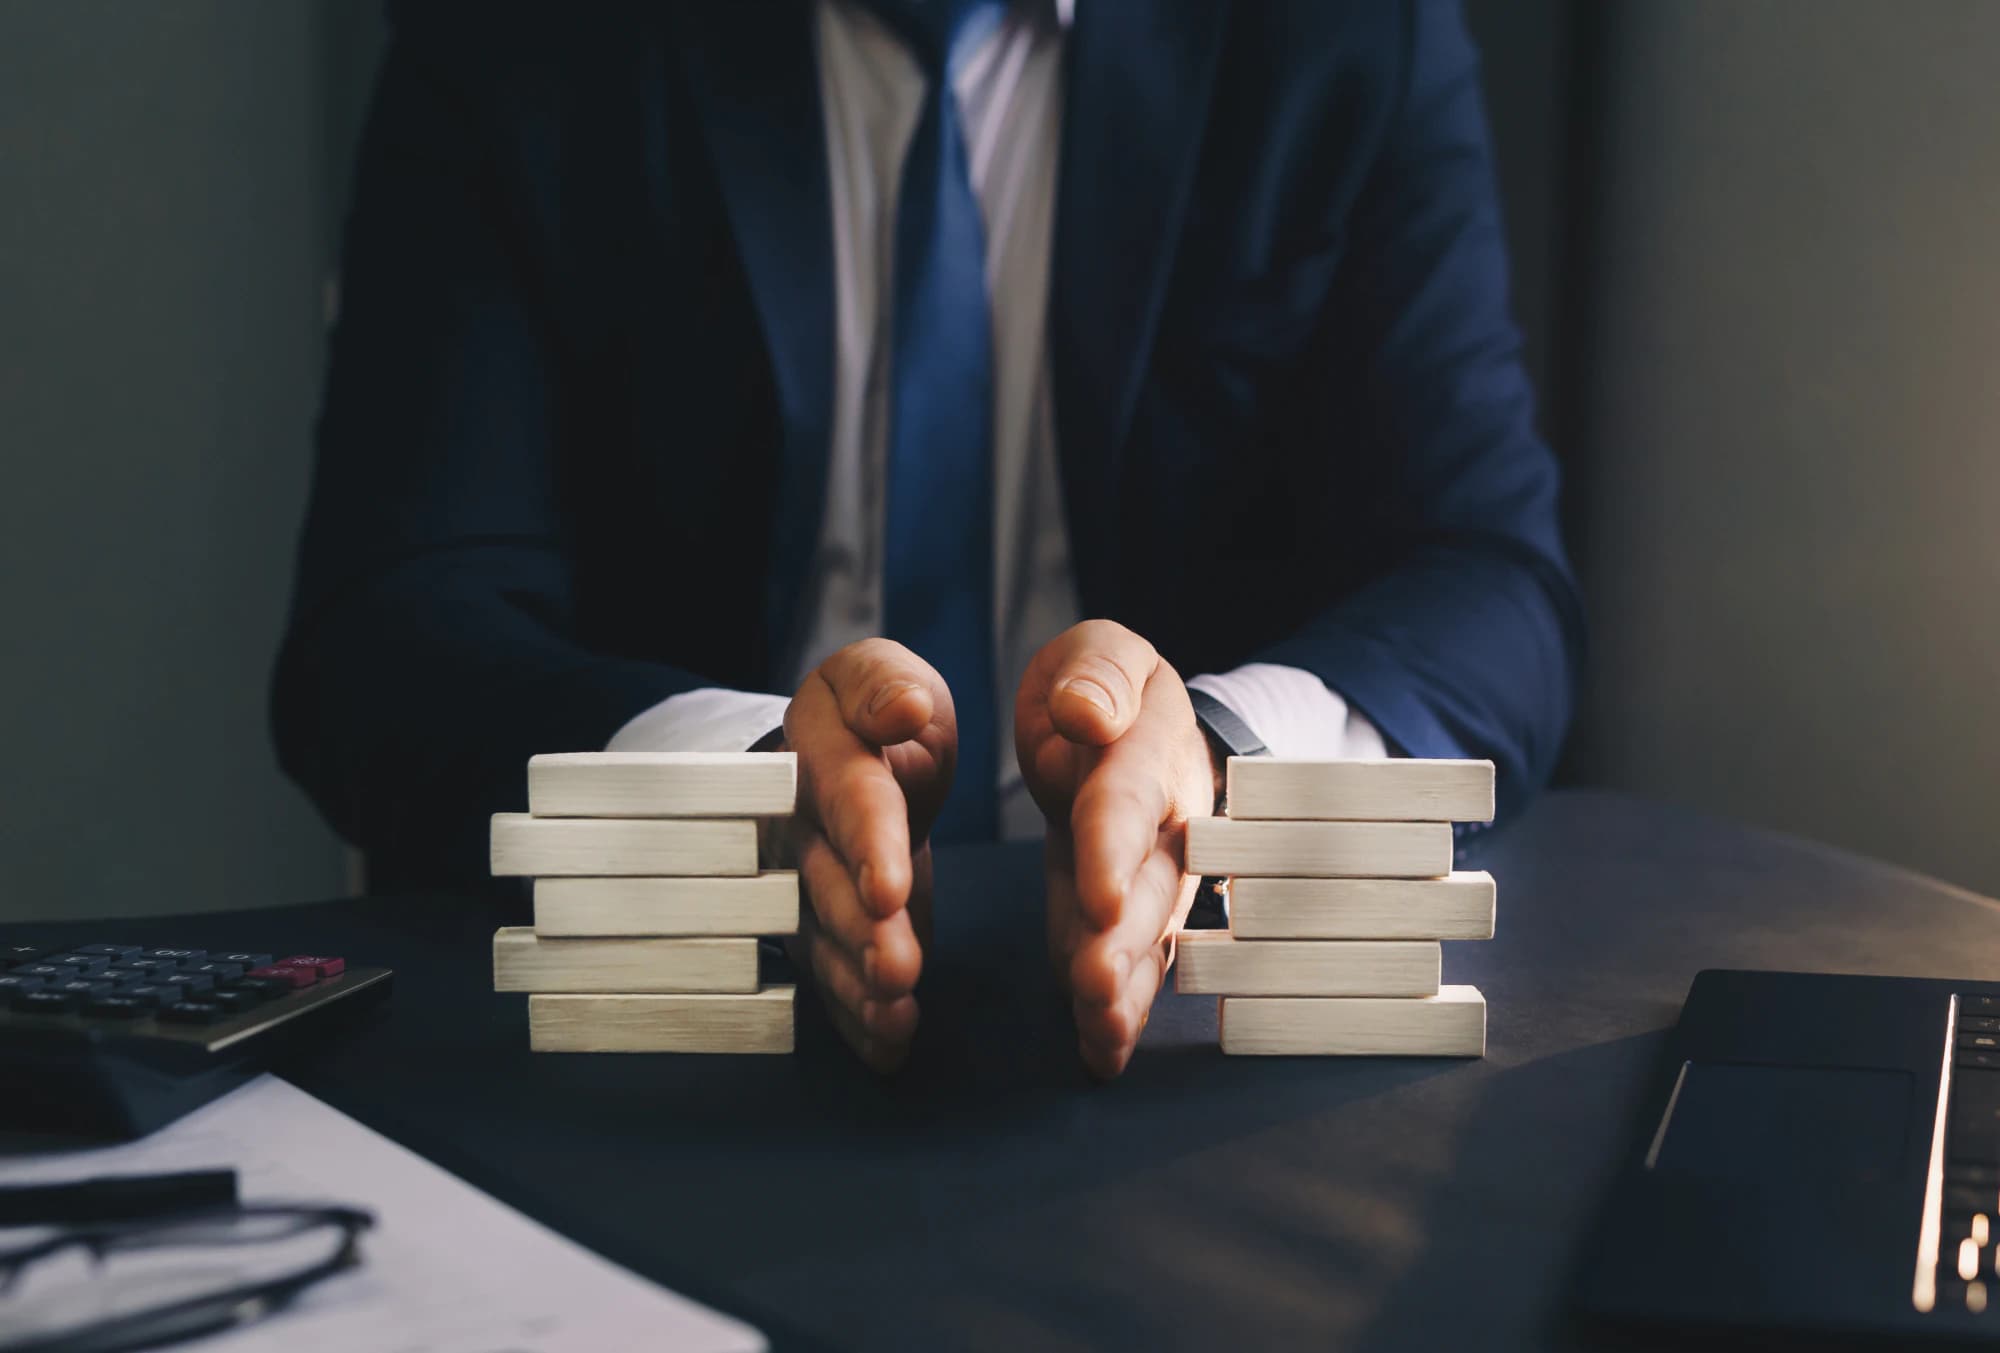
(1517, 1170)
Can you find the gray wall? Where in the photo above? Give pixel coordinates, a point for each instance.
(1793, 422)
(162, 246)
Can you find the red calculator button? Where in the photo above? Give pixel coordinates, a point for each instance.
(277, 972)
(324, 966)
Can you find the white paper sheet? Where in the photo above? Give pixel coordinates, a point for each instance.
(446, 1268)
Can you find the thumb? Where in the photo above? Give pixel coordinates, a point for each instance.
(1099, 670)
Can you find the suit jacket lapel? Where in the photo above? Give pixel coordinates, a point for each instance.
(753, 72)
(1136, 103)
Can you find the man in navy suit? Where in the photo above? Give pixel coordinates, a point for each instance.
(861, 349)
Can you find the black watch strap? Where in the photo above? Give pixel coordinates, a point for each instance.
(1230, 736)
(1224, 728)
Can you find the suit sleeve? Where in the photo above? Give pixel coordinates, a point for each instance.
(1467, 643)
(433, 644)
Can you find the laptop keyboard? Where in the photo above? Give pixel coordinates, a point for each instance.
(1968, 1267)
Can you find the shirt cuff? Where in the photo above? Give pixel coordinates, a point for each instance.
(1294, 713)
(711, 719)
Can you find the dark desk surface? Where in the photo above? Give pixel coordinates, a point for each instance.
(991, 1197)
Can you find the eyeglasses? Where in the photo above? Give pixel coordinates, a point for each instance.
(106, 1289)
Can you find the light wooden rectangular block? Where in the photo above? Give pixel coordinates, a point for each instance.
(524, 961)
(573, 847)
(1396, 790)
(1458, 906)
(760, 1022)
(662, 784)
(1215, 963)
(1449, 1024)
(764, 904)
(1217, 845)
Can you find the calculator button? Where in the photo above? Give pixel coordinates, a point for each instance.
(83, 963)
(181, 958)
(235, 1001)
(218, 972)
(1968, 1173)
(152, 965)
(325, 967)
(1979, 1005)
(121, 974)
(1979, 1024)
(247, 961)
(154, 993)
(85, 988)
(193, 983)
(13, 982)
(54, 972)
(277, 972)
(1979, 1042)
(193, 1012)
(11, 954)
(46, 1002)
(263, 988)
(116, 1007)
(110, 950)
(1988, 1061)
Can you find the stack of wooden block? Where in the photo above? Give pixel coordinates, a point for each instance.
(648, 902)
(1340, 887)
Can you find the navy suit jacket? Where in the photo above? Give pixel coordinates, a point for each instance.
(574, 434)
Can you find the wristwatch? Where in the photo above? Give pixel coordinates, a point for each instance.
(1226, 733)
(1229, 736)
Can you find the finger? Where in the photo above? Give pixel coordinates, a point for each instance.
(891, 1023)
(886, 694)
(836, 906)
(877, 1054)
(1107, 1036)
(879, 1031)
(850, 792)
(923, 768)
(837, 974)
(1098, 675)
(1139, 781)
(1105, 960)
(1116, 823)
(885, 950)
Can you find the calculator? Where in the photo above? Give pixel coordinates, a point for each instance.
(110, 1041)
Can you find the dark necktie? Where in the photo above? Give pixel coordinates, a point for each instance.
(938, 547)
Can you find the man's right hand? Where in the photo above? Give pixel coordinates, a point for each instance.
(876, 738)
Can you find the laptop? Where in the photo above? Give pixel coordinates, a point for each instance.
(1817, 1155)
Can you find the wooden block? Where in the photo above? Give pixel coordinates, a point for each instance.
(1458, 906)
(1216, 963)
(1396, 790)
(524, 961)
(764, 904)
(1218, 845)
(1449, 1024)
(662, 784)
(594, 847)
(758, 1022)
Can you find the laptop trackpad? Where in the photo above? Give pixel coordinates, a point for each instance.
(1769, 1123)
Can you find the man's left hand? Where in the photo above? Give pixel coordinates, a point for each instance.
(1109, 747)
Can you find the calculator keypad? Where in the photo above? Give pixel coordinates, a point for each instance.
(120, 983)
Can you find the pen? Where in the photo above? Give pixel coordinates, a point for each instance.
(116, 1198)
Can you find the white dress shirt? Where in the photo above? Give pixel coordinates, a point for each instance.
(1010, 107)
